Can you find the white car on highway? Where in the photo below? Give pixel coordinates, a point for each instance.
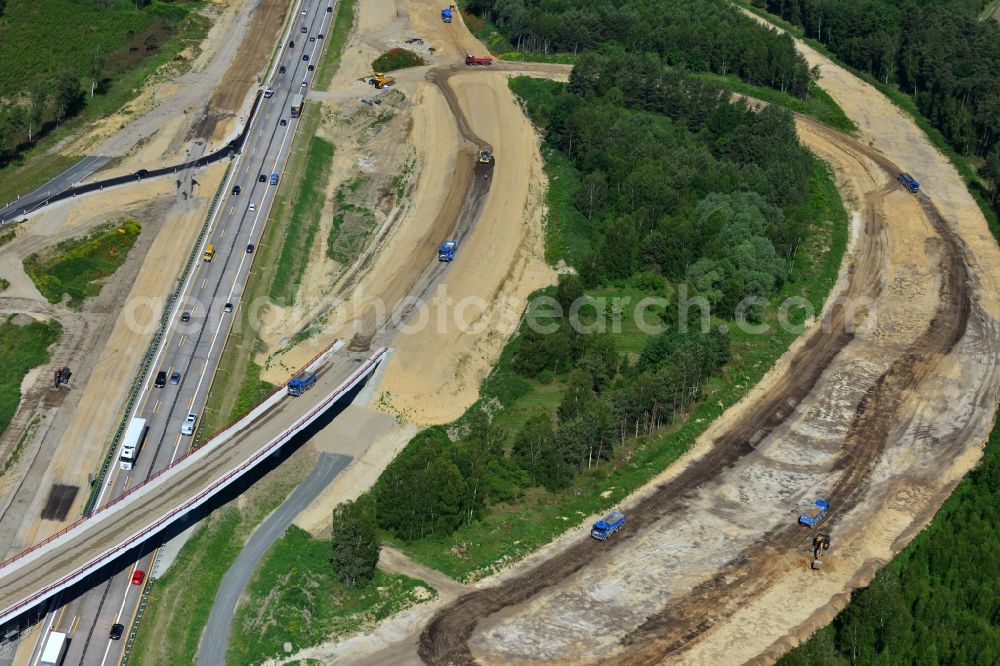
(187, 428)
(252, 207)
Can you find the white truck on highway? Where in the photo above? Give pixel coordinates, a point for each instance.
(131, 443)
(54, 650)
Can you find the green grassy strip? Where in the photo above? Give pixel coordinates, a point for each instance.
(819, 105)
(989, 10)
(28, 433)
(539, 516)
(335, 43)
(557, 58)
(76, 267)
(186, 593)
(487, 33)
(21, 349)
(902, 100)
(295, 596)
(180, 601)
(308, 172)
(238, 377)
(252, 390)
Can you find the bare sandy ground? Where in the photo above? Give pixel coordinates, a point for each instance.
(504, 251)
(103, 374)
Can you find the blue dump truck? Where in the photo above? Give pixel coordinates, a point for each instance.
(909, 182)
(607, 525)
(815, 513)
(301, 383)
(446, 14)
(447, 251)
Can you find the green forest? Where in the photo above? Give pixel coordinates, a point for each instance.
(937, 602)
(939, 53)
(669, 188)
(698, 36)
(63, 56)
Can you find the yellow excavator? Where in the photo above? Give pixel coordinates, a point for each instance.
(821, 544)
(380, 80)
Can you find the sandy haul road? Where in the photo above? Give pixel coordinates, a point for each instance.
(495, 212)
(882, 421)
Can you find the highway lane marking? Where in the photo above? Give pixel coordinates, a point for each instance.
(180, 343)
(232, 209)
(156, 407)
(247, 170)
(174, 454)
(74, 625)
(204, 285)
(42, 638)
(128, 482)
(222, 235)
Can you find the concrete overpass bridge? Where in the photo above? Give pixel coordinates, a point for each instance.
(145, 511)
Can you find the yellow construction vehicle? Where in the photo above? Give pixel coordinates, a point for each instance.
(485, 156)
(821, 544)
(380, 80)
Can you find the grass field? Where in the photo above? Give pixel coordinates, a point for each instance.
(295, 596)
(76, 267)
(180, 601)
(476, 550)
(335, 42)
(21, 349)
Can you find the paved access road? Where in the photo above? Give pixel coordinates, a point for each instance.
(193, 348)
(63, 181)
(212, 650)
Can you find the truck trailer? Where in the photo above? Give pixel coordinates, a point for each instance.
(607, 525)
(301, 383)
(131, 443)
(478, 60)
(296, 106)
(54, 650)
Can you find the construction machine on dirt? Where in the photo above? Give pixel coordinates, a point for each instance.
(821, 544)
(380, 80)
(485, 156)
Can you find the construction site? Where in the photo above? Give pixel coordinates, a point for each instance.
(827, 468)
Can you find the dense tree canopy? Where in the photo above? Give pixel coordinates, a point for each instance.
(703, 35)
(938, 52)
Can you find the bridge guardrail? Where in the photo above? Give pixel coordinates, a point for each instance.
(191, 503)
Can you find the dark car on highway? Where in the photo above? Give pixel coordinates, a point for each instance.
(237, 189)
(262, 178)
(175, 377)
(185, 316)
(161, 379)
(116, 631)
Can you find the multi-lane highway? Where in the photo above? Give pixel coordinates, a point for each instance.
(200, 323)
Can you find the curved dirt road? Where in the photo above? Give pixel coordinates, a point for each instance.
(851, 406)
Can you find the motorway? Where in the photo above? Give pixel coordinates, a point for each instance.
(193, 348)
